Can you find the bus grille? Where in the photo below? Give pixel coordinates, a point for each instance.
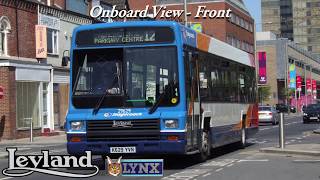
(147, 129)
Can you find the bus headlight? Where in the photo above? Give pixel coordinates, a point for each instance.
(171, 123)
(77, 125)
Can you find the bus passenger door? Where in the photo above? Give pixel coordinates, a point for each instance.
(193, 101)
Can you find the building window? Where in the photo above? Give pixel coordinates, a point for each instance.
(45, 104)
(308, 13)
(52, 41)
(310, 48)
(4, 30)
(28, 104)
(229, 40)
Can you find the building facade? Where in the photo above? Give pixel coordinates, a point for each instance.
(238, 30)
(35, 87)
(281, 56)
(297, 20)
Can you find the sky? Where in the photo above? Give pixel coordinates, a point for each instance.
(254, 7)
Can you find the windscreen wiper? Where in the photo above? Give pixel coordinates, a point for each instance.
(155, 106)
(76, 82)
(98, 105)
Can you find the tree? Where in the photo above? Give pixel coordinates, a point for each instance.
(264, 93)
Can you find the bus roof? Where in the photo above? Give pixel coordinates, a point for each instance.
(189, 37)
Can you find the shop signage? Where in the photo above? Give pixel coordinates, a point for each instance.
(1, 92)
(314, 86)
(41, 41)
(49, 21)
(309, 85)
(298, 83)
(262, 67)
(292, 70)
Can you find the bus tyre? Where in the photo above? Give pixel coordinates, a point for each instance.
(205, 149)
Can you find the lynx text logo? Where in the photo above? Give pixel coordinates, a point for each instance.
(135, 167)
(24, 165)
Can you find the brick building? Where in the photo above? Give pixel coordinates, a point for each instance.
(34, 87)
(237, 30)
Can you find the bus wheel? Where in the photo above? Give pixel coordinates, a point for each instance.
(205, 149)
(243, 142)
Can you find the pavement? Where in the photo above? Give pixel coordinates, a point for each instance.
(24, 145)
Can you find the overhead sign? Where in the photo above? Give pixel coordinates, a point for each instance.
(262, 57)
(292, 70)
(196, 26)
(314, 86)
(41, 41)
(1, 92)
(309, 85)
(298, 83)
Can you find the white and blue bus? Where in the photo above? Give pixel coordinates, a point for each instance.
(157, 87)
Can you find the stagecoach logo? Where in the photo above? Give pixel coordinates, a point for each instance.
(122, 113)
(135, 167)
(122, 124)
(23, 165)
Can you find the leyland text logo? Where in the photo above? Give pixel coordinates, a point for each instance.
(23, 165)
(135, 167)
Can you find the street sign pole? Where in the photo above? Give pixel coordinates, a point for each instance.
(185, 13)
(31, 128)
(281, 132)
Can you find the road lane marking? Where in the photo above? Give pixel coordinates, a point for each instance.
(264, 129)
(222, 163)
(187, 174)
(301, 160)
(253, 160)
(230, 165)
(6, 178)
(205, 175)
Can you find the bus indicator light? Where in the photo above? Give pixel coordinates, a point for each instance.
(173, 138)
(75, 139)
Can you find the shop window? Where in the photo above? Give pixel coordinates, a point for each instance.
(4, 30)
(52, 41)
(28, 103)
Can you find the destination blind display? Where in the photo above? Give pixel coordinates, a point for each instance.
(116, 36)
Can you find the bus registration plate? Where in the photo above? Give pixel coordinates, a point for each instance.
(123, 149)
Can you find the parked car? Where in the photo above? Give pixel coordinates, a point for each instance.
(311, 113)
(268, 114)
(282, 108)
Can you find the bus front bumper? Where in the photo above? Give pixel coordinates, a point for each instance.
(142, 147)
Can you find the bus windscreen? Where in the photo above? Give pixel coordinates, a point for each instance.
(128, 35)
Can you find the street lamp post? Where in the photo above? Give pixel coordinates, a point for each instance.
(185, 13)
